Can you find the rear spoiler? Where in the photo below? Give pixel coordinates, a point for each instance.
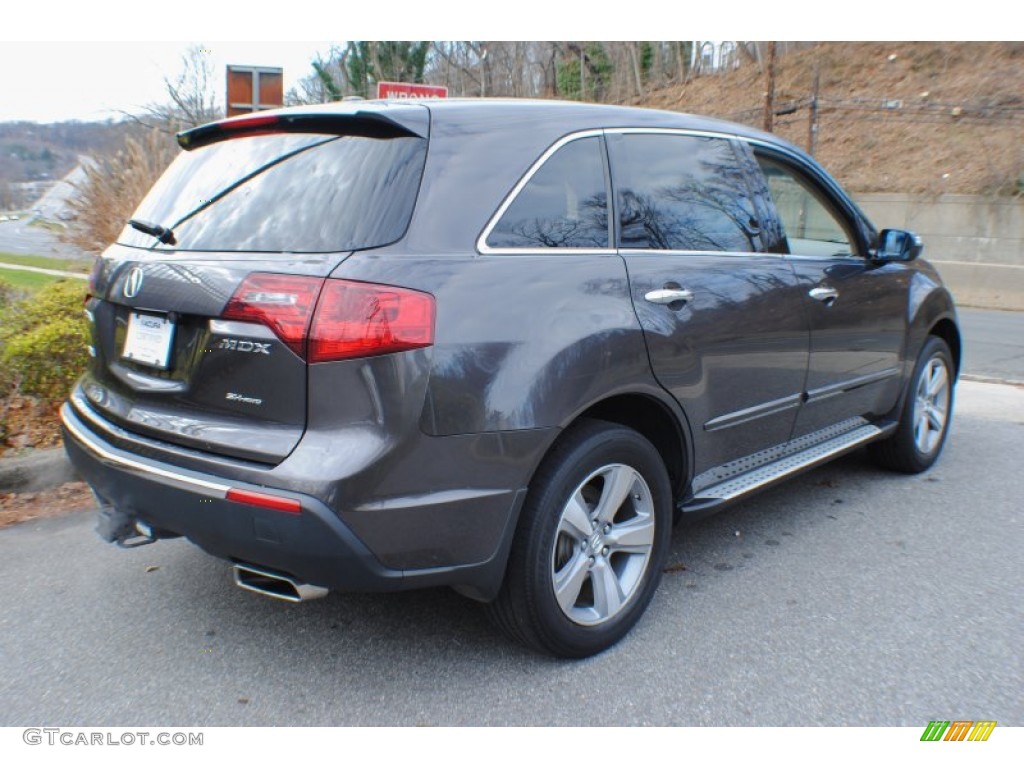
(374, 125)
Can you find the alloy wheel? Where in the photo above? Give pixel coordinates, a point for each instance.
(603, 544)
(931, 405)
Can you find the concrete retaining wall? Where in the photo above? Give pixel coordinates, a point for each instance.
(976, 243)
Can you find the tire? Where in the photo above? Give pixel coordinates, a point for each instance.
(927, 411)
(592, 539)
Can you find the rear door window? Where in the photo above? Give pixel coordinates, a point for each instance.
(300, 193)
(681, 193)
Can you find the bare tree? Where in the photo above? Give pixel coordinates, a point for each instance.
(113, 187)
(769, 91)
(455, 65)
(191, 93)
(619, 71)
(634, 59)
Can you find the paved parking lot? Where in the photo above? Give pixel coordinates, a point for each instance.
(846, 597)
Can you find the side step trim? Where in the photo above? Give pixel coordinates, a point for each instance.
(777, 470)
(755, 461)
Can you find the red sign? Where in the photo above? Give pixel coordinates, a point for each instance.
(411, 91)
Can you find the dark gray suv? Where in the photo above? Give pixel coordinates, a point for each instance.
(495, 345)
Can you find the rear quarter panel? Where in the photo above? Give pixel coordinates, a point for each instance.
(522, 342)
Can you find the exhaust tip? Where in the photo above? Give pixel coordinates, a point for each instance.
(275, 585)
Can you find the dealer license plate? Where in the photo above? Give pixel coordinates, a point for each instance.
(149, 339)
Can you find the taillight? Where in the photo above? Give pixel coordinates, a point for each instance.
(363, 319)
(350, 319)
(284, 303)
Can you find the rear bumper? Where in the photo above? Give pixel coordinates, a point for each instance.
(314, 545)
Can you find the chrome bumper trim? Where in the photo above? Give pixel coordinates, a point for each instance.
(180, 479)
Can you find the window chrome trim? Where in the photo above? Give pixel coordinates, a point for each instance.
(717, 254)
(481, 241)
(676, 132)
(847, 205)
(851, 257)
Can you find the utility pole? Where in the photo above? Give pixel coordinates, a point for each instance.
(583, 82)
(812, 124)
(769, 96)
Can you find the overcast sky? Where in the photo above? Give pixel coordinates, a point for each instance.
(47, 82)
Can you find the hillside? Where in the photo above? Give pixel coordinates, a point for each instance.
(930, 118)
(34, 155)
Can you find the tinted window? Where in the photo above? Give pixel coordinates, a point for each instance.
(683, 193)
(773, 237)
(564, 205)
(286, 192)
(812, 228)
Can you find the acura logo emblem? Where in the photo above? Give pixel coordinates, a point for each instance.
(133, 283)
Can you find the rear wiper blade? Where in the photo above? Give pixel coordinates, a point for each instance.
(163, 234)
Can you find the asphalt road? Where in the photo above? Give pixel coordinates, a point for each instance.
(19, 238)
(993, 343)
(849, 596)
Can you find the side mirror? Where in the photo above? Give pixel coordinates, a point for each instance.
(898, 245)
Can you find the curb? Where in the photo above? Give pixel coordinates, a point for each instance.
(991, 380)
(38, 471)
(43, 271)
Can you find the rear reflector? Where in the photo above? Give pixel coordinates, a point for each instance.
(278, 503)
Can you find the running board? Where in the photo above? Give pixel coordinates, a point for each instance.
(772, 472)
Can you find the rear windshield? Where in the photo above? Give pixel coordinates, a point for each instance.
(298, 193)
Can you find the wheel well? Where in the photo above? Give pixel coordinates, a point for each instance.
(946, 330)
(655, 422)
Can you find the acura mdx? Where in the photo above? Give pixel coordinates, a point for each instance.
(494, 345)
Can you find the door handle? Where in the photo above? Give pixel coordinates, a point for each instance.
(825, 295)
(669, 296)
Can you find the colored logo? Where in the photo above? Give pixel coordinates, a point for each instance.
(958, 730)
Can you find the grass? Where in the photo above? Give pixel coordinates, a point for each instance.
(29, 281)
(68, 265)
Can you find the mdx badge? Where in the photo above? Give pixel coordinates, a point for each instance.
(241, 345)
(133, 283)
